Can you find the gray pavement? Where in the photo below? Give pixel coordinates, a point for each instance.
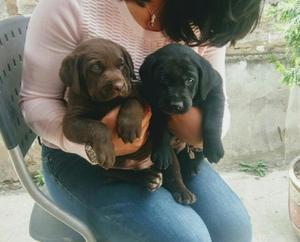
(267, 202)
(265, 198)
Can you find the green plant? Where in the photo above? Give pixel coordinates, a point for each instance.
(38, 178)
(287, 18)
(259, 168)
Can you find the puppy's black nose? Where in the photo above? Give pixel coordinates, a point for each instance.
(177, 105)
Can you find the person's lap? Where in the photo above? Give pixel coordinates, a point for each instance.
(120, 212)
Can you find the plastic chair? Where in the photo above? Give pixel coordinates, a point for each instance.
(60, 225)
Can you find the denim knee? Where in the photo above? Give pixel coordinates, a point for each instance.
(192, 234)
(220, 208)
(234, 227)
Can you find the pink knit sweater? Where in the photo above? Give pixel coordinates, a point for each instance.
(55, 29)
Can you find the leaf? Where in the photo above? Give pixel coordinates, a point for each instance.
(258, 168)
(287, 13)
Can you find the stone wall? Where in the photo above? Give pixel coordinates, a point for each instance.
(258, 104)
(14, 7)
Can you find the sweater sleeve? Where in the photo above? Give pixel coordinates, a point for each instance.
(53, 32)
(216, 57)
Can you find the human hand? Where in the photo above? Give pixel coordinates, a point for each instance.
(110, 120)
(187, 127)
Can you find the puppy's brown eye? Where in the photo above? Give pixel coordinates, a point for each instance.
(121, 63)
(96, 68)
(189, 81)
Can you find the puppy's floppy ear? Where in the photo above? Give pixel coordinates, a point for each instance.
(208, 77)
(129, 63)
(69, 72)
(146, 75)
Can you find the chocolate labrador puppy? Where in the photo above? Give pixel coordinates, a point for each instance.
(99, 74)
(175, 78)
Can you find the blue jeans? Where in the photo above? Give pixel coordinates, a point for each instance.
(120, 212)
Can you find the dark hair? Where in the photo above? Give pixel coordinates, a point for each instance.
(219, 21)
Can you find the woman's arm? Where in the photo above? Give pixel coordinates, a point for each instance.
(54, 31)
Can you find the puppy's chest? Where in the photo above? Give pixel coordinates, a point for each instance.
(99, 110)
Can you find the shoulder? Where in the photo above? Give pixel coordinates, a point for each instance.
(54, 20)
(216, 57)
(59, 5)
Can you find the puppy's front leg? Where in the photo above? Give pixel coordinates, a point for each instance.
(129, 124)
(173, 182)
(160, 136)
(87, 131)
(213, 111)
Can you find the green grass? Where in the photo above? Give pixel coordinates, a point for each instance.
(258, 168)
(38, 178)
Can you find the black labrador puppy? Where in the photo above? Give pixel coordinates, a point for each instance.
(175, 78)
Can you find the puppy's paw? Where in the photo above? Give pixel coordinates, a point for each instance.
(105, 155)
(129, 123)
(151, 179)
(184, 196)
(104, 150)
(213, 151)
(129, 129)
(162, 157)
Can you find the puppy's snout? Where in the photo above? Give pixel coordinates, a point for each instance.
(118, 86)
(177, 105)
